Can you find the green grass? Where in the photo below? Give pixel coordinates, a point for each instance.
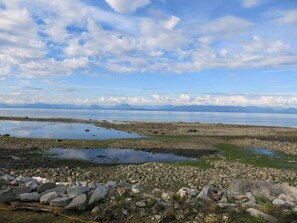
(279, 160)
(200, 163)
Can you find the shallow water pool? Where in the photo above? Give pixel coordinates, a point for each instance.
(115, 155)
(59, 130)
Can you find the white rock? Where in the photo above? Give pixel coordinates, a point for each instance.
(278, 201)
(40, 180)
(182, 193)
(140, 204)
(165, 197)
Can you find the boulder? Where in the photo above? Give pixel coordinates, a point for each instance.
(29, 197)
(99, 194)
(140, 204)
(11, 194)
(258, 214)
(47, 198)
(77, 190)
(205, 193)
(45, 186)
(78, 202)
(60, 202)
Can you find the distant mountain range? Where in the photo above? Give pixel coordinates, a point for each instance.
(189, 108)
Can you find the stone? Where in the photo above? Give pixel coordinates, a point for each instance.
(121, 191)
(40, 180)
(96, 211)
(47, 198)
(7, 178)
(11, 194)
(92, 185)
(165, 197)
(250, 204)
(99, 194)
(78, 202)
(278, 201)
(32, 185)
(205, 193)
(29, 197)
(124, 211)
(258, 214)
(182, 193)
(60, 189)
(77, 190)
(140, 204)
(45, 186)
(111, 184)
(60, 202)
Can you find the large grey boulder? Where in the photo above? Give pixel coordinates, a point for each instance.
(45, 186)
(29, 197)
(60, 202)
(47, 198)
(11, 194)
(262, 188)
(99, 194)
(78, 202)
(60, 189)
(258, 214)
(77, 190)
(205, 193)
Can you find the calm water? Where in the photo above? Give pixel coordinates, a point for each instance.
(55, 130)
(262, 151)
(114, 155)
(289, 120)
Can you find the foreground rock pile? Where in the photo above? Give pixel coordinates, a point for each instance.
(119, 201)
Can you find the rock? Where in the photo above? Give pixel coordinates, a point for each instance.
(140, 204)
(92, 185)
(250, 204)
(278, 201)
(60, 189)
(60, 202)
(40, 180)
(255, 213)
(111, 184)
(99, 194)
(165, 197)
(124, 211)
(96, 211)
(29, 197)
(47, 198)
(78, 202)
(16, 158)
(45, 186)
(182, 193)
(76, 190)
(7, 196)
(11, 194)
(135, 191)
(32, 185)
(205, 193)
(121, 191)
(8, 178)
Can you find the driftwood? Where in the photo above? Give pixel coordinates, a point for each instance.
(37, 207)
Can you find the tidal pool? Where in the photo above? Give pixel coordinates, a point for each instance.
(115, 155)
(59, 130)
(262, 151)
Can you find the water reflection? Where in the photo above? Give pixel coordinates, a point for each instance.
(115, 155)
(57, 130)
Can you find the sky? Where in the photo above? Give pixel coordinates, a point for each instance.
(149, 52)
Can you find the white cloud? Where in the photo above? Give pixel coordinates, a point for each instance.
(124, 6)
(226, 26)
(288, 17)
(251, 3)
(171, 22)
(51, 67)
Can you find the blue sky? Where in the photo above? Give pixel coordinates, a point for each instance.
(149, 52)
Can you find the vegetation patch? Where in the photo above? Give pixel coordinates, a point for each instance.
(279, 160)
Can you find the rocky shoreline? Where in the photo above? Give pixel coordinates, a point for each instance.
(120, 201)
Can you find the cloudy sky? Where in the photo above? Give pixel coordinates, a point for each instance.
(152, 52)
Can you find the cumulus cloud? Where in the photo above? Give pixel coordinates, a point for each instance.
(124, 6)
